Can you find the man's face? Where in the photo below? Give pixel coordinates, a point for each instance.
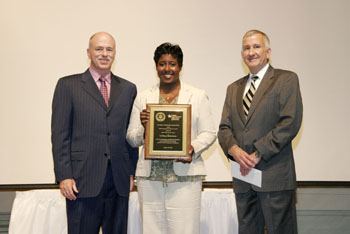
(101, 52)
(254, 52)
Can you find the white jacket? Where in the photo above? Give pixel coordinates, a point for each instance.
(203, 131)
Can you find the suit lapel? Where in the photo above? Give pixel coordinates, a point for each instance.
(184, 95)
(264, 85)
(239, 98)
(116, 90)
(91, 88)
(154, 97)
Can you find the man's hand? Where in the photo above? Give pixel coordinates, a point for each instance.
(257, 160)
(132, 183)
(68, 187)
(245, 160)
(245, 171)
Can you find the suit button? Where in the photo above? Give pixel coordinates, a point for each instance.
(108, 133)
(106, 154)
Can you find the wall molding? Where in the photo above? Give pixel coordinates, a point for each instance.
(206, 184)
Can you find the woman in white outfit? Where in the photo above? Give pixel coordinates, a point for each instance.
(170, 190)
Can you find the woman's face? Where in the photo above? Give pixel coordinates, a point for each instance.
(168, 69)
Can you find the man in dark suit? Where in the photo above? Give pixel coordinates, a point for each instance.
(257, 132)
(94, 164)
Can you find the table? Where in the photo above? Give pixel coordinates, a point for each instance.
(44, 211)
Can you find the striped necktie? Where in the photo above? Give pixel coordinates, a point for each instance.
(103, 89)
(248, 98)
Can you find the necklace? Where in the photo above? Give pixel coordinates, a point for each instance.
(171, 94)
(169, 97)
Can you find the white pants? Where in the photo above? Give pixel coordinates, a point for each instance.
(172, 208)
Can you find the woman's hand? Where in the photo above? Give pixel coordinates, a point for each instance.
(144, 117)
(186, 160)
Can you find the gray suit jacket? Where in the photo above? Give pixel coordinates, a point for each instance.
(273, 121)
(85, 133)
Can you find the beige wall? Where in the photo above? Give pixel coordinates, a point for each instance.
(43, 40)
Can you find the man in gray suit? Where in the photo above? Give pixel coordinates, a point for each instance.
(262, 114)
(94, 164)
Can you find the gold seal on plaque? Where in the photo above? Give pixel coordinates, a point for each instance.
(160, 116)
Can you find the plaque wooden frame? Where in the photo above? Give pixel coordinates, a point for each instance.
(161, 139)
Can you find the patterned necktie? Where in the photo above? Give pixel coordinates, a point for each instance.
(248, 98)
(103, 89)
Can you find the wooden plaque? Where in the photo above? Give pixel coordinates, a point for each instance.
(168, 132)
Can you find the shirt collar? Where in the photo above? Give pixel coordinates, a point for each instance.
(95, 75)
(261, 73)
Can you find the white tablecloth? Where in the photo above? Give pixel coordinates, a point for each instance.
(44, 212)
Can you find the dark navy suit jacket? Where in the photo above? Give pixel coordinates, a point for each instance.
(85, 133)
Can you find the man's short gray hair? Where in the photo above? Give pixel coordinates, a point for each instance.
(255, 31)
